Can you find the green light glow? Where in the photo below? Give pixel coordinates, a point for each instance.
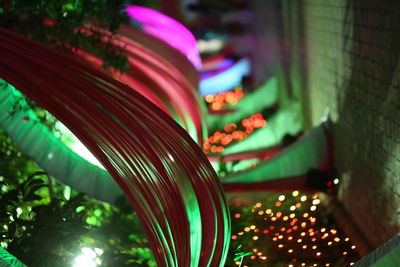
(286, 121)
(240, 166)
(75, 145)
(6, 259)
(308, 152)
(36, 141)
(392, 258)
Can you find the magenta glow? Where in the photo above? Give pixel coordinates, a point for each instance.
(168, 30)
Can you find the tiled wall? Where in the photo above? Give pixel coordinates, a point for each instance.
(353, 52)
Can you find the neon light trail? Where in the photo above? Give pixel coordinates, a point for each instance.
(157, 79)
(71, 91)
(225, 80)
(179, 165)
(168, 30)
(222, 66)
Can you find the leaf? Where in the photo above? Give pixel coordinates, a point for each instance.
(33, 190)
(247, 254)
(239, 247)
(31, 185)
(237, 258)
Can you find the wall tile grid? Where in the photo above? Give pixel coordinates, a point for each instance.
(353, 52)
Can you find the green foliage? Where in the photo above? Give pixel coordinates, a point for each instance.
(55, 23)
(13, 165)
(44, 223)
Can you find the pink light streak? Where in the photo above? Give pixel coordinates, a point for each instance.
(168, 30)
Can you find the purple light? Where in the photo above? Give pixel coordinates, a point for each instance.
(224, 65)
(168, 30)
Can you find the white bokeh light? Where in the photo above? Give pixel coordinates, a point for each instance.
(75, 145)
(88, 258)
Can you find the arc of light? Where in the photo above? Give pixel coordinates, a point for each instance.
(221, 67)
(168, 30)
(311, 151)
(164, 50)
(135, 141)
(98, 183)
(226, 80)
(37, 142)
(158, 80)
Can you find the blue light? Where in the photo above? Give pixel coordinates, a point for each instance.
(226, 80)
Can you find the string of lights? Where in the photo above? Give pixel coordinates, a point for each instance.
(291, 228)
(218, 101)
(233, 133)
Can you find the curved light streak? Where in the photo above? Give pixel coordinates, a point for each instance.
(222, 66)
(24, 128)
(158, 80)
(168, 30)
(226, 80)
(213, 61)
(179, 202)
(98, 183)
(164, 50)
(311, 151)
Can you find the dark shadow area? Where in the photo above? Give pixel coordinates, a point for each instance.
(287, 27)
